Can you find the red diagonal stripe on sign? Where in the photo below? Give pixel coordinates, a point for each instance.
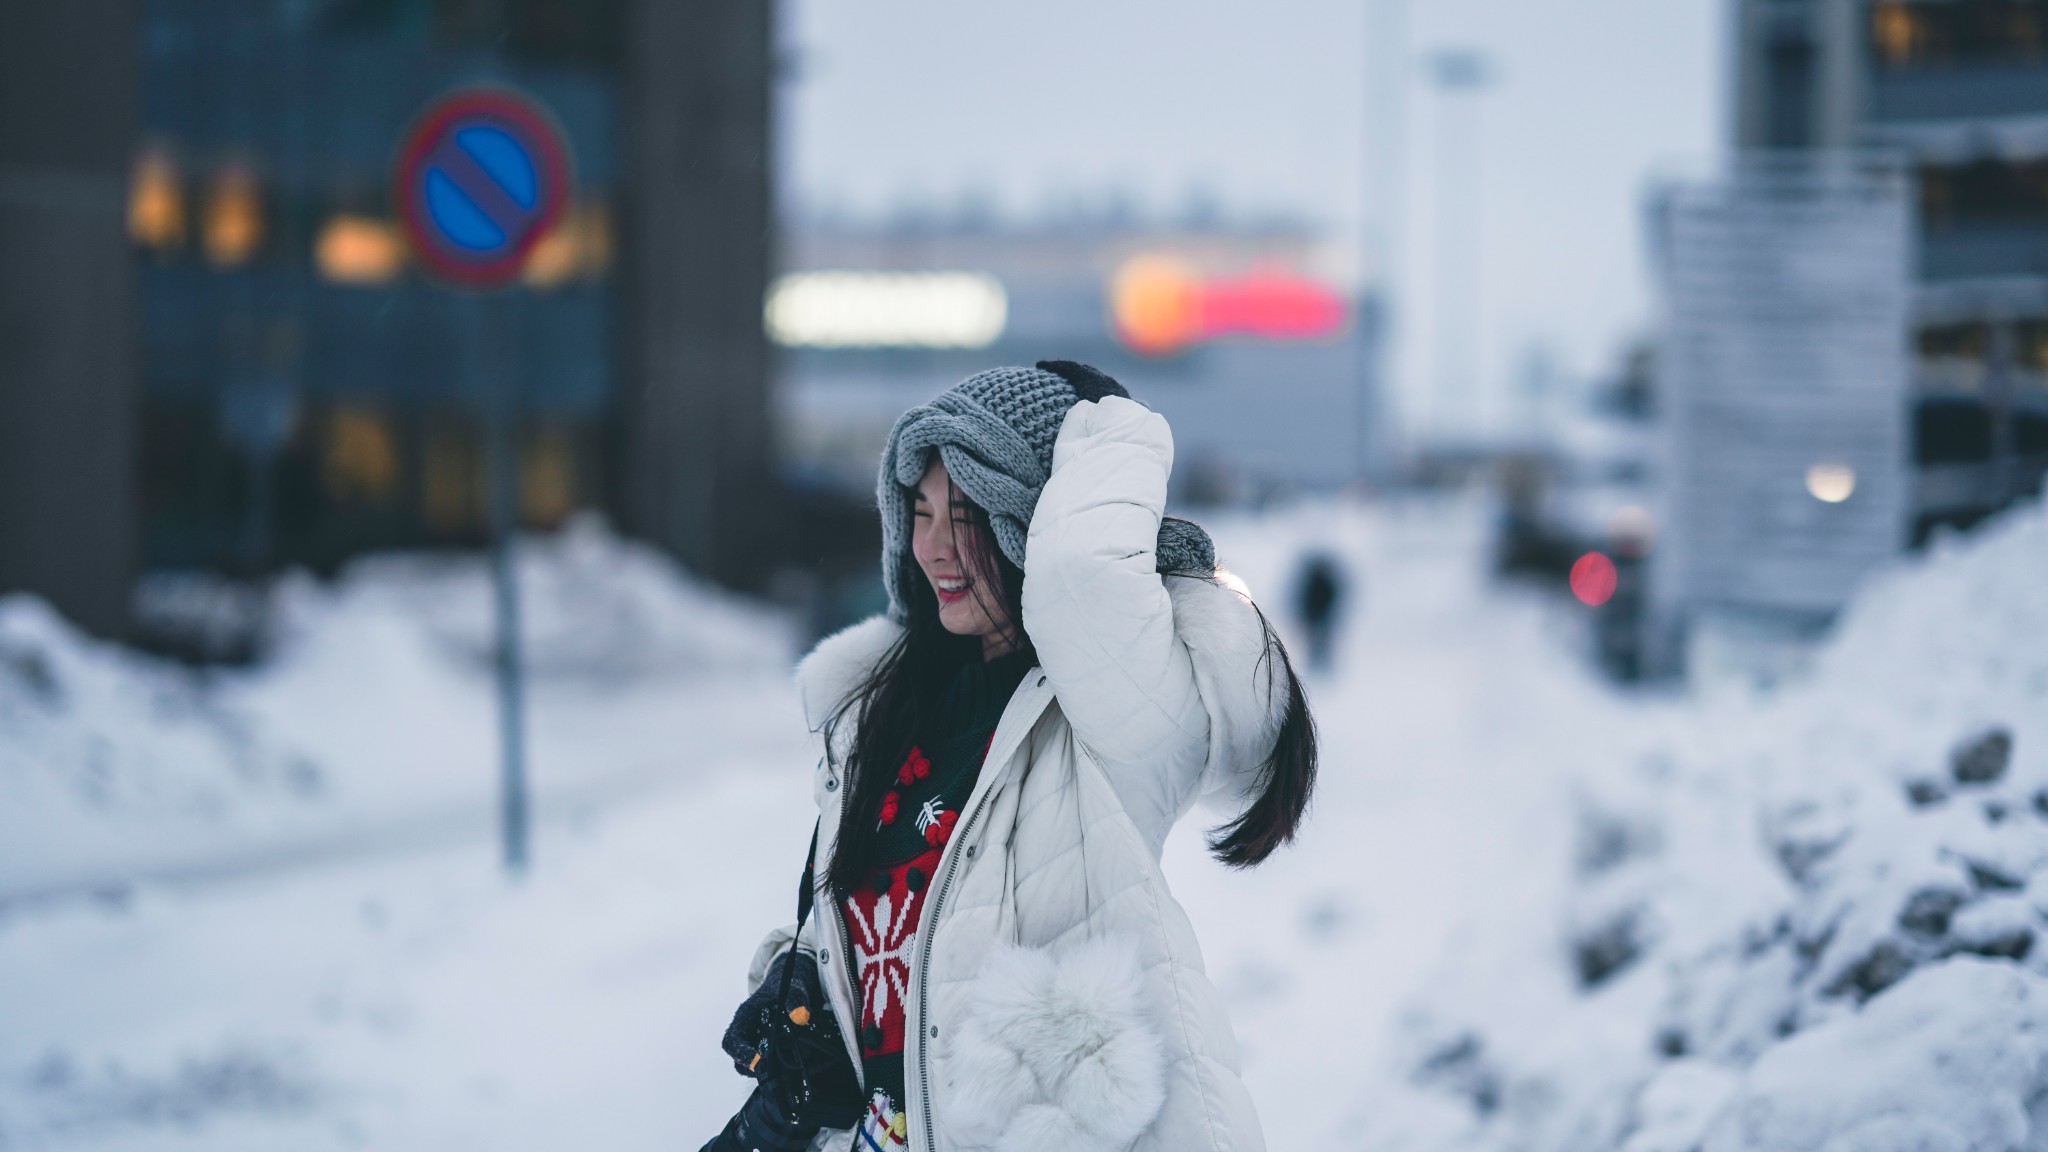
(484, 191)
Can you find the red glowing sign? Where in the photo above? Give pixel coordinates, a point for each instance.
(1160, 305)
(1593, 579)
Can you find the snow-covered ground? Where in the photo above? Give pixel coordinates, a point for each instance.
(1529, 912)
(373, 724)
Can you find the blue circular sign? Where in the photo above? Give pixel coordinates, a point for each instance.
(480, 179)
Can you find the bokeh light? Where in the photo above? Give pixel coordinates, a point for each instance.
(359, 250)
(234, 217)
(1155, 303)
(156, 202)
(1831, 483)
(1593, 579)
(887, 310)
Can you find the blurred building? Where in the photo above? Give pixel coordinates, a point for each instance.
(233, 364)
(1959, 88)
(1235, 333)
(68, 357)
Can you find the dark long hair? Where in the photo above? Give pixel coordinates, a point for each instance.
(1287, 779)
(892, 705)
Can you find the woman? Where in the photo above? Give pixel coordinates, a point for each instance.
(1059, 677)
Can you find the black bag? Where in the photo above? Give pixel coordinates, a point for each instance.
(785, 1036)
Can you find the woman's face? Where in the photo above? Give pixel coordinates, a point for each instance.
(946, 544)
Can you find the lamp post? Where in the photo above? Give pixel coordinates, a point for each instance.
(1459, 75)
(1380, 240)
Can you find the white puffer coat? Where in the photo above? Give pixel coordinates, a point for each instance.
(1057, 998)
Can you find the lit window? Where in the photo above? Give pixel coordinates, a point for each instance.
(360, 461)
(452, 483)
(234, 217)
(547, 479)
(1896, 31)
(886, 310)
(579, 245)
(156, 202)
(359, 250)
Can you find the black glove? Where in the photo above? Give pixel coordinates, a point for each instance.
(795, 1049)
(808, 1034)
(1088, 381)
(761, 1125)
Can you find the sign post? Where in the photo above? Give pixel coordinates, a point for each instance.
(1782, 382)
(480, 178)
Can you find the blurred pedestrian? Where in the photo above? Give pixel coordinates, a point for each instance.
(1319, 602)
(1005, 753)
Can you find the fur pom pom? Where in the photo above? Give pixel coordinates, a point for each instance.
(1057, 1052)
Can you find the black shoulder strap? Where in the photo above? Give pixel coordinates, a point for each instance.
(804, 897)
(805, 894)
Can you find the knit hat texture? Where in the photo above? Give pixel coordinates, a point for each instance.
(995, 431)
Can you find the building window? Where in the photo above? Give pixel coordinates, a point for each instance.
(452, 482)
(1789, 88)
(156, 202)
(1984, 192)
(1951, 432)
(1952, 356)
(2030, 347)
(547, 478)
(359, 250)
(232, 228)
(581, 32)
(2030, 435)
(1948, 33)
(359, 461)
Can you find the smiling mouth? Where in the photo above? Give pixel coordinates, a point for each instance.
(951, 590)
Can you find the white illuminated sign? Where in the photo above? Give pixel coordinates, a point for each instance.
(886, 310)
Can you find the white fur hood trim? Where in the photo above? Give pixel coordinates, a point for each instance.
(1239, 677)
(837, 665)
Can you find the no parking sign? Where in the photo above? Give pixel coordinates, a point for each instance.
(480, 178)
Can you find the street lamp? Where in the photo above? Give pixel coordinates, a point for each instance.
(1459, 76)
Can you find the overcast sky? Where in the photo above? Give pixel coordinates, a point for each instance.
(1262, 107)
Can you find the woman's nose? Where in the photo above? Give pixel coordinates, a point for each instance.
(938, 541)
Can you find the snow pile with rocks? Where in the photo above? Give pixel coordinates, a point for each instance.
(1810, 921)
(373, 709)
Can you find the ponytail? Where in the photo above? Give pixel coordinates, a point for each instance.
(1287, 778)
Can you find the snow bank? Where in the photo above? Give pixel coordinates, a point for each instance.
(593, 607)
(374, 708)
(102, 749)
(1808, 921)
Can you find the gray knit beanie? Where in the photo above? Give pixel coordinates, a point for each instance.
(995, 432)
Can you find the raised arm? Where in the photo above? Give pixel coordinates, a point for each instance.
(1098, 612)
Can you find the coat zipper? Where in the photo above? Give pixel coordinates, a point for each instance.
(924, 962)
(934, 907)
(853, 995)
